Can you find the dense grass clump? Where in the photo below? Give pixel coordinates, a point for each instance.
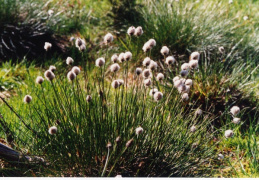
(24, 34)
(191, 25)
(124, 13)
(110, 123)
(173, 94)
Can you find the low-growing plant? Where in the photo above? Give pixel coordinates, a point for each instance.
(14, 76)
(222, 82)
(116, 118)
(9, 11)
(124, 12)
(24, 34)
(241, 152)
(183, 25)
(113, 121)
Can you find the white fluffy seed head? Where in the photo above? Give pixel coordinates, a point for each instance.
(49, 75)
(47, 46)
(76, 70)
(139, 130)
(100, 62)
(229, 133)
(82, 47)
(147, 82)
(220, 156)
(88, 98)
(27, 99)
(72, 38)
(109, 145)
(146, 47)
(131, 31)
(71, 75)
(114, 58)
(184, 73)
(198, 112)
(69, 61)
(164, 51)
(146, 73)
(138, 31)
(39, 80)
(152, 43)
(185, 97)
(120, 81)
(236, 120)
(193, 128)
(50, 12)
(245, 18)
(182, 88)
(221, 49)
(115, 67)
(108, 38)
(153, 91)
(178, 83)
(118, 176)
(127, 56)
(183, 80)
(235, 110)
(146, 61)
(80, 44)
(53, 130)
(121, 58)
(188, 82)
(52, 68)
(138, 71)
(158, 96)
(230, 1)
(153, 65)
(115, 84)
(193, 64)
(176, 78)
(195, 56)
(170, 60)
(129, 143)
(185, 66)
(160, 77)
(187, 89)
(118, 139)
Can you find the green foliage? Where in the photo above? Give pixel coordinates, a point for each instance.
(14, 76)
(222, 82)
(123, 13)
(191, 25)
(24, 34)
(9, 11)
(167, 146)
(242, 151)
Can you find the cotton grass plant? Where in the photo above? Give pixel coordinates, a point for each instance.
(191, 25)
(243, 144)
(106, 126)
(146, 109)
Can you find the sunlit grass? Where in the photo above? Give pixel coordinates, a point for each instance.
(165, 146)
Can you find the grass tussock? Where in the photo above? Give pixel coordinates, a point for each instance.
(108, 129)
(178, 99)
